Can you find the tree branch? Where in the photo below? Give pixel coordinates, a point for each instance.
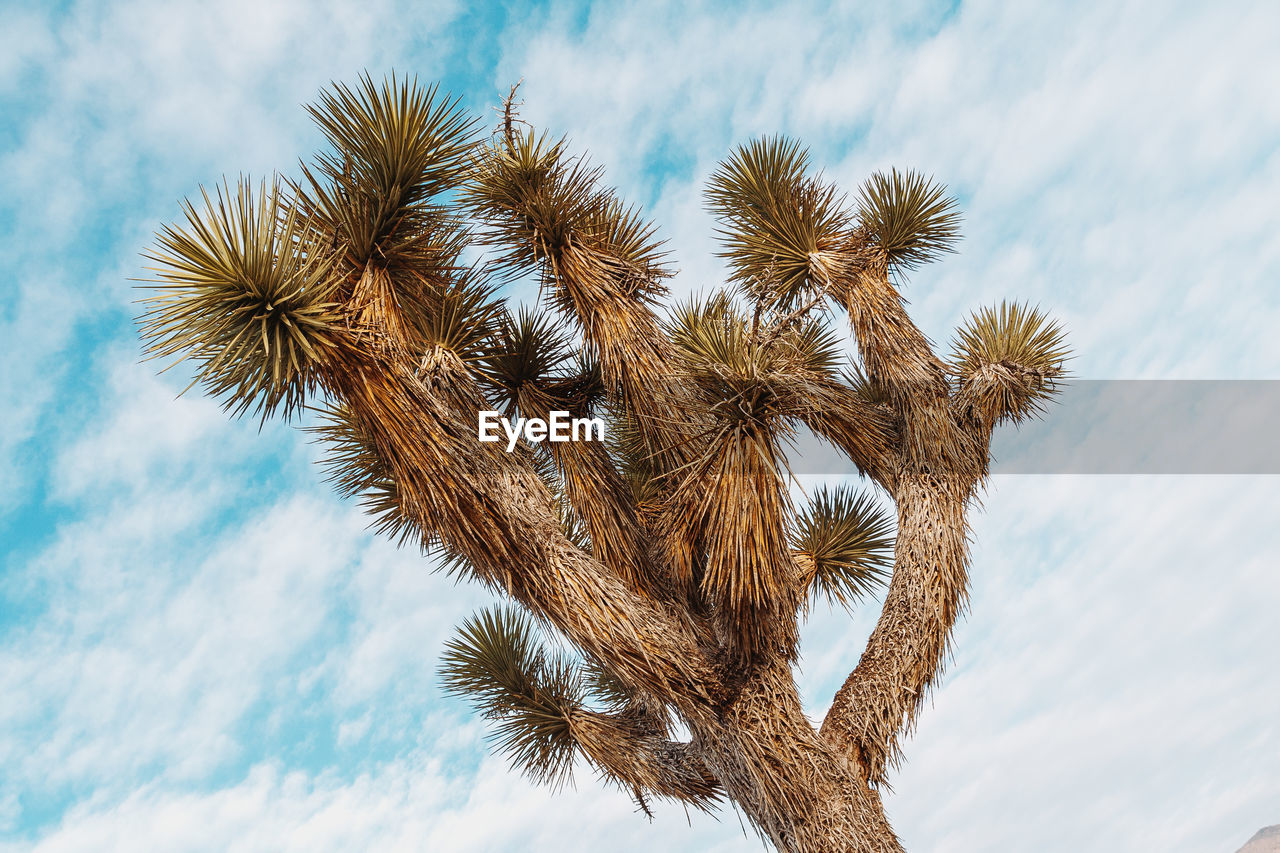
(878, 702)
(599, 495)
(865, 432)
(930, 477)
(899, 360)
(537, 698)
(643, 762)
(491, 508)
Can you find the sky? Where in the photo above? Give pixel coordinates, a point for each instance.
(202, 648)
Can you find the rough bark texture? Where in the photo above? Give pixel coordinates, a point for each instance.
(796, 787)
(937, 467)
(877, 704)
(497, 513)
(797, 790)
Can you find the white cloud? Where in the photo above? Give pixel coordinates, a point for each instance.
(124, 109)
(145, 661)
(410, 804)
(1123, 153)
(1108, 688)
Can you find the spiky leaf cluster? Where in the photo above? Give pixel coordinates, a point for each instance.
(636, 465)
(497, 661)
(458, 313)
(606, 689)
(745, 374)
(778, 226)
(528, 349)
(1011, 359)
(395, 147)
(240, 294)
(547, 210)
(864, 387)
(373, 201)
(911, 219)
(844, 543)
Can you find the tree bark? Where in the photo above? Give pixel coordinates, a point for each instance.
(494, 510)
(879, 700)
(797, 790)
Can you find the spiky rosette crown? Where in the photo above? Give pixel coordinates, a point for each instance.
(1010, 359)
(395, 148)
(497, 661)
(458, 312)
(909, 217)
(844, 543)
(242, 294)
(777, 223)
(751, 371)
(528, 348)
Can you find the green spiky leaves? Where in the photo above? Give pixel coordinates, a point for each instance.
(541, 206)
(779, 227)
(719, 356)
(399, 141)
(751, 370)
(497, 661)
(1010, 360)
(911, 219)
(395, 146)
(538, 702)
(844, 544)
(528, 349)
(458, 313)
(240, 294)
(258, 291)
(529, 196)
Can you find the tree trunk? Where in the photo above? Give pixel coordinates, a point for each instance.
(878, 702)
(795, 788)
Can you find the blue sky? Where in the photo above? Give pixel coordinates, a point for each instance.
(201, 648)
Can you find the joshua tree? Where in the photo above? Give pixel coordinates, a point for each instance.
(655, 580)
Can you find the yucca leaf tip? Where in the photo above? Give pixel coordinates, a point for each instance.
(497, 662)
(528, 346)
(1014, 355)
(396, 141)
(241, 292)
(910, 217)
(777, 222)
(844, 542)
